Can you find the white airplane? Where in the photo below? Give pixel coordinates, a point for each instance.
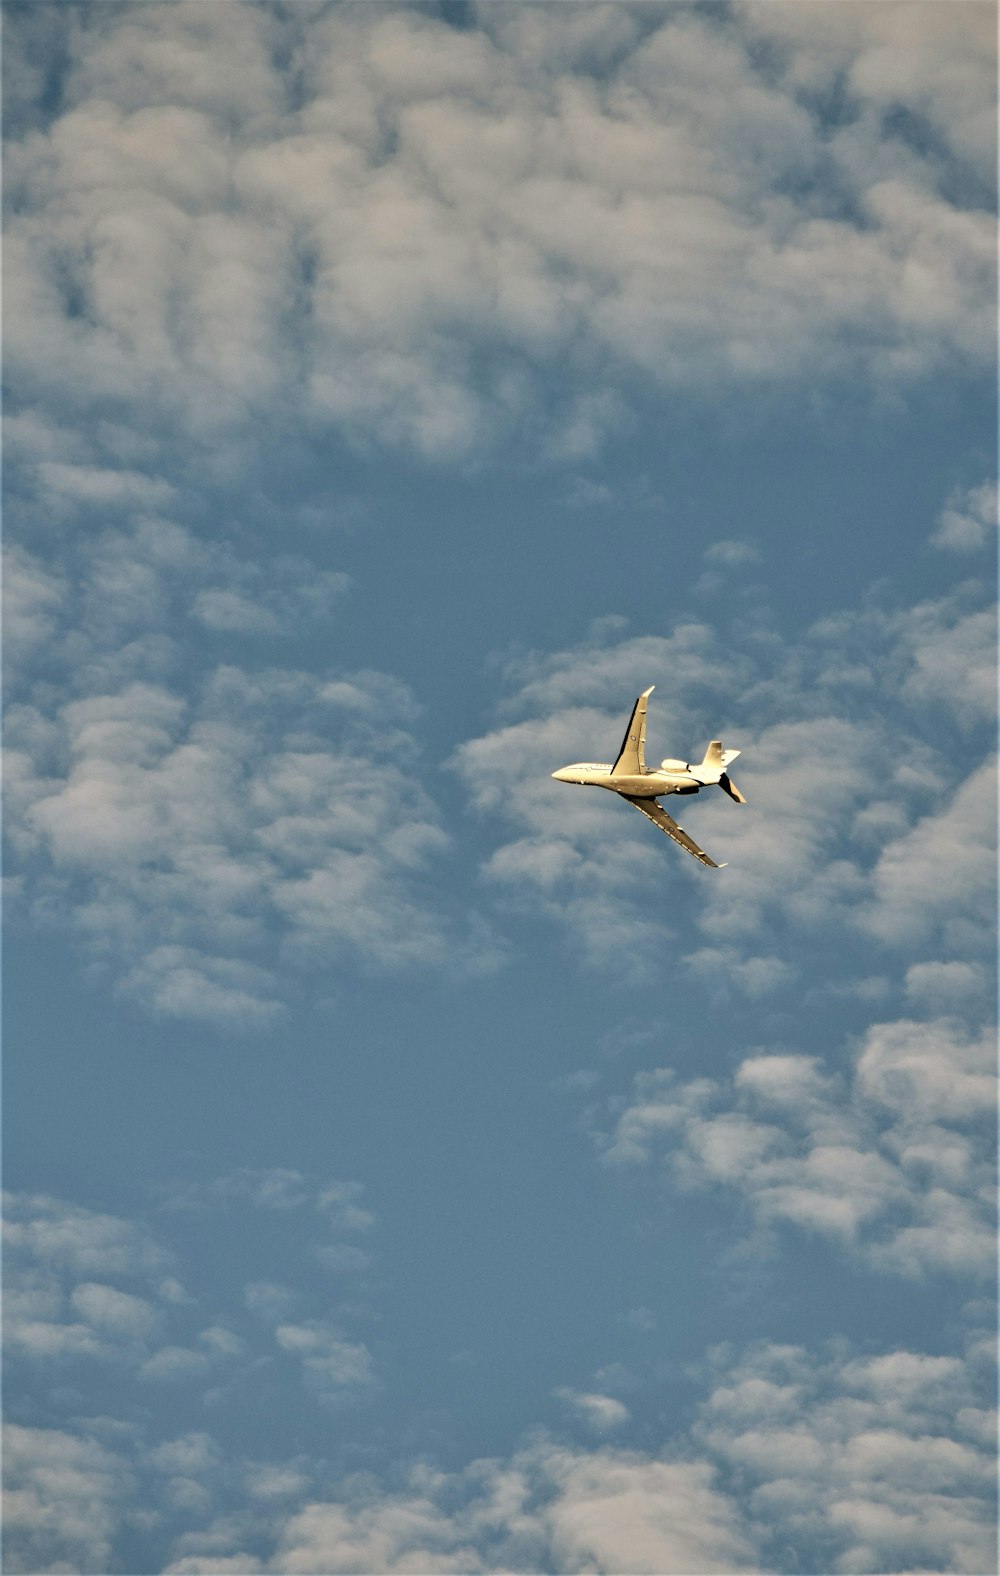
(643, 785)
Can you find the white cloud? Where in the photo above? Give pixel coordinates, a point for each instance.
(827, 1452)
(114, 1312)
(731, 554)
(341, 1203)
(228, 611)
(56, 1313)
(337, 1211)
(81, 1242)
(837, 832)
(330, 1364)
(32, 597)
(464, 207)
(186, 1455)
(270, 608)
(105, 488)
(937, 881)
(751, 976)
(187, 833)
(277, 1188)
(174, 1365)
(269, 1300)
(947, 985)
(600, 1412)
(969, 519)
(276, 1482)
(62, 1500)
(937, 654)
(934, 61)
(547, 1508)
(891, 1165)
(817, 1450)
(857, 1460)
(792, 1453)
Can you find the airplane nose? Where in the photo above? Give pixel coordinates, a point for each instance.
(560, 775)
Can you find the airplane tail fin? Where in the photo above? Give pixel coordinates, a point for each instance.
(716, 758)
(713, 769)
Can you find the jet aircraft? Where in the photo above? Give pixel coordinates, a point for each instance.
(643, 785)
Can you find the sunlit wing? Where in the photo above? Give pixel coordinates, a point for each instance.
(631, 760)
(659, 817)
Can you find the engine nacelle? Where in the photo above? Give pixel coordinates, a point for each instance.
(674, 766)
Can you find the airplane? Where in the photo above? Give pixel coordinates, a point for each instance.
(643, 785)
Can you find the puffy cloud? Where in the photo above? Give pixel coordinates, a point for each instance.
(836, 833)
(600, 1412)
(797, 1460)
(174, 1364)
(971, 515)
(824, 1453)
(935, 62)
(938, 879)
(752, 976)
(32, 597)
(57, 1313)
(182, 834)
(548, 1507)
(869, 1462)
(935, 654)
(114, 1312)
(81, 1242)
(62, 1502)
(465, 205)
(893, 1166)
(330, 1364)
(948, 985)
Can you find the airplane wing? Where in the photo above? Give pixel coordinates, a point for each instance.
(666, 823)
(631, 760)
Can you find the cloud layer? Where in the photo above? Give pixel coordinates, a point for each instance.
(892, 1162)
(826, 1458)
(408, 236)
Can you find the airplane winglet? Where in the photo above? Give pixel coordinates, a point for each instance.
(631, 761)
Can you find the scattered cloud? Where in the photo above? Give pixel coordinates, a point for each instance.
(602, 1413)
(734, 554)
(854, 1458)
(239, 226)
(831, 1458)
(63, 1500)
(58, 1312)
(889, 1161)
(330, 1364)
(174, 834)
(869, 1462)
(843, 827)
(938, 879)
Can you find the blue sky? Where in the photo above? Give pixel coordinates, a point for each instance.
(412, 1163)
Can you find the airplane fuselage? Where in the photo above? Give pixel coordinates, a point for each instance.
(648, 784)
